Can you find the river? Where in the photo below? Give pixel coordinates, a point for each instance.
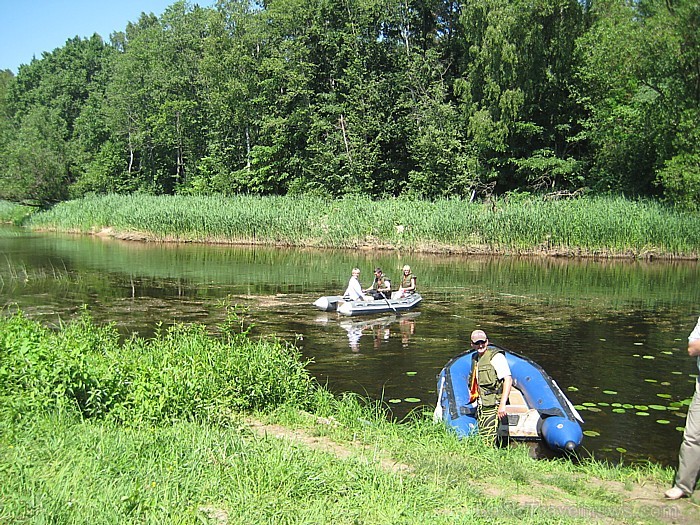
(612, 333)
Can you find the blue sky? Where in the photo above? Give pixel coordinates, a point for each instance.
(30, 27)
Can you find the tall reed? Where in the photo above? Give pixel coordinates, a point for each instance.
(590, 226)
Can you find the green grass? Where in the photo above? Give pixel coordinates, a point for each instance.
(607, 226)
(93, 430)
(183, 373)
(68, 471)
(14, 213)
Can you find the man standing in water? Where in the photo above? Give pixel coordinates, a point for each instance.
(489, 384)
(689, 455)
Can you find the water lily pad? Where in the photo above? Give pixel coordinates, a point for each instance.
(677, 373)
(665, 383)
(588, 404)
(680, 429)
(642, 413)
(657, 407)
(594, 409)
(664, 396)
(580, 407)
(394, 401)
(411, 373)
(619, 410)
(635, 355)
(610, 392)
(667, 352)
(412, 400)
(572, 389)
(651, 380)
(603, 404)
(663, 421)
(621, 450)
(603, 339)
(638, 344)
(627, 405)
(616, 404)
(641, 408)
(591, 433)
(648, 357)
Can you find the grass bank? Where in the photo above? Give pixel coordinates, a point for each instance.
(189, 427)
(12, 213)
(599, 226)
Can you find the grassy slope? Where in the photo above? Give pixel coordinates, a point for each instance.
(97, 431)
(301, 469)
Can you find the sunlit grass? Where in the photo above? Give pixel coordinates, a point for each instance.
(166, 439)
(605, 226)
(14, 213)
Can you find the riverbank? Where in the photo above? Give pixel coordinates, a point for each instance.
(191, 427)
(605, 227)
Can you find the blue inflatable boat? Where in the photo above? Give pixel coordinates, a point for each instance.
(537, 409)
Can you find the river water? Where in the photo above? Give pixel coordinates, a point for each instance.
(613, 334)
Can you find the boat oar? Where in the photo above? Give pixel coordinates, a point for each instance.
(387, 302)
(437, 413)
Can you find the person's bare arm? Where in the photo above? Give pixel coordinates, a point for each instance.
(694, 348)
(507, 384)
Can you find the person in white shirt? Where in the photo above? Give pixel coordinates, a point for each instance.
(354, 289)
(689, 455)
(490, 383)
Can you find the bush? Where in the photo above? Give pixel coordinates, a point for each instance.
(680, 179)
(183, 374)
(14, 213)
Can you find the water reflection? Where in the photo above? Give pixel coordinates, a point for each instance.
(380, 329)
(611, 333)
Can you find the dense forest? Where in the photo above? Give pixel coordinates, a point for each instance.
(416, 98)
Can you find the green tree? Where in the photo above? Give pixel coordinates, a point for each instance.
(641, 77)
(46, 99)
(6, 121)
(513, 89)
(153, 101)
(229, 88)
(36, 169)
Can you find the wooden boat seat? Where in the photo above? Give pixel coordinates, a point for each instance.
(522, 421)
(516, 402)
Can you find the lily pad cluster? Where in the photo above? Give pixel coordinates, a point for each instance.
(396, 401)
(663, 411)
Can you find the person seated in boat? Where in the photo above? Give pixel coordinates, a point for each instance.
(490, 383)
(381, 286)
(354, 290)
(407, 286)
